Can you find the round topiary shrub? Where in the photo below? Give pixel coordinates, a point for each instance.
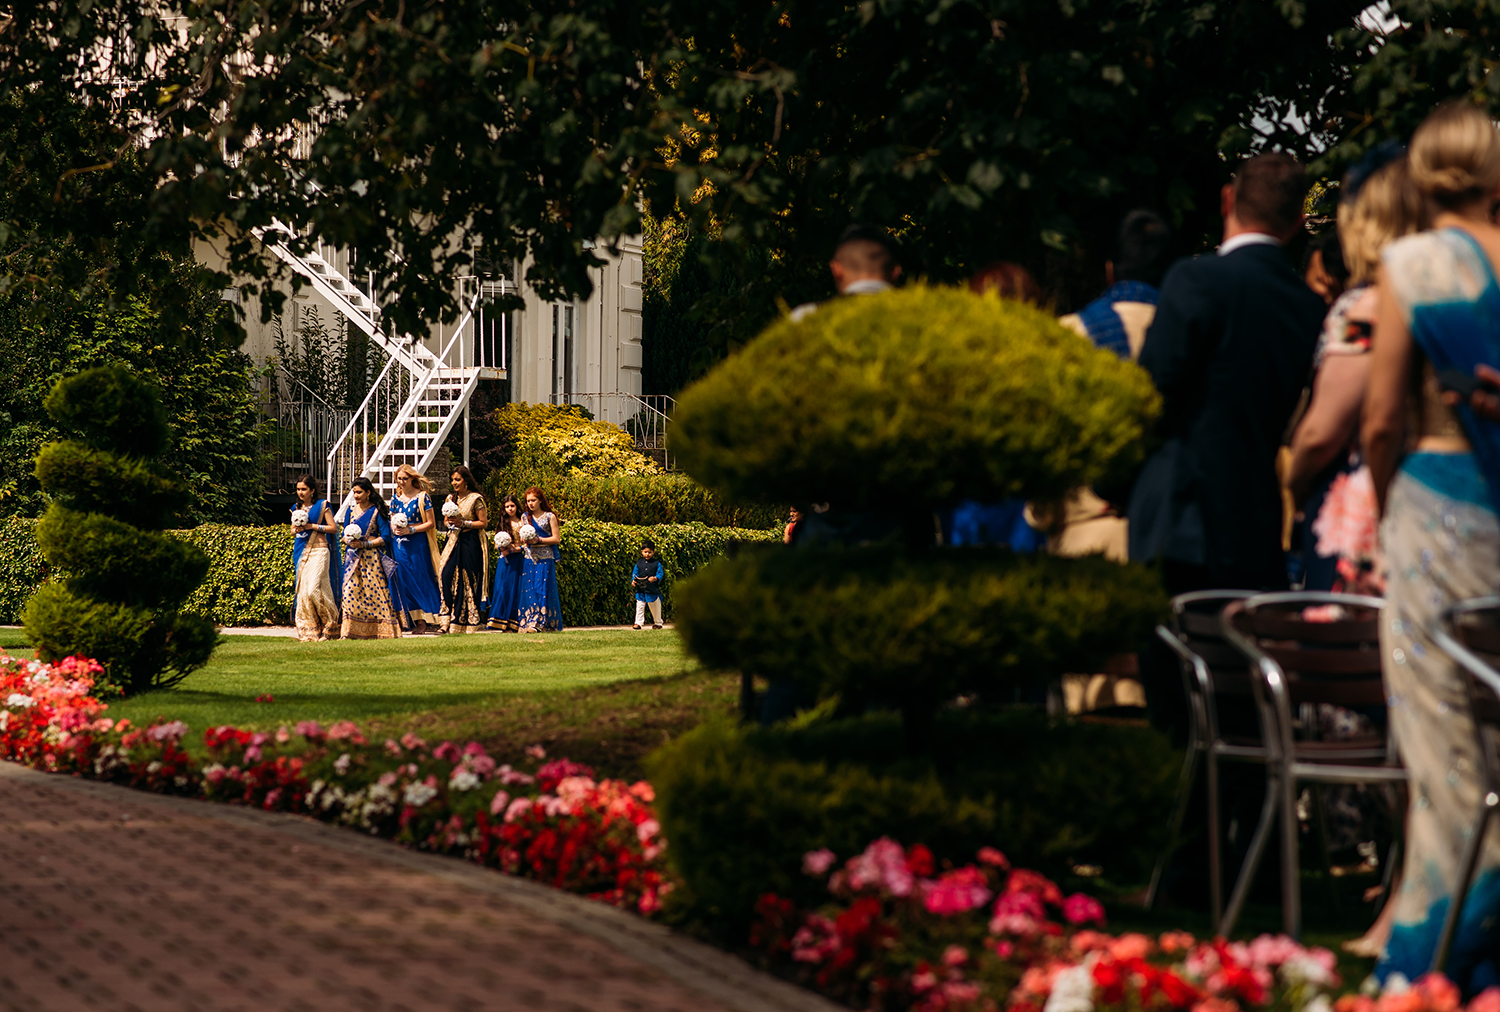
(124, 579)
(913, 397)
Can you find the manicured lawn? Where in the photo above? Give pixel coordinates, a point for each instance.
(606, 698)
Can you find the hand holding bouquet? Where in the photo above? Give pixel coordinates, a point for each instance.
(451, 513)
(528, 533)
(502, 540)
(400, 523)
(299, 518)
(352, 533)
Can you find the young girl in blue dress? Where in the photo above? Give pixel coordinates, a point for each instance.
(541, 608)
(416, 550)
(510, 561)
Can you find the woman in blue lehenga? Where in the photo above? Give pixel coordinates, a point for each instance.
(370, 601)
(317, 577)
(416, 551)
(1439, 310)
(541, 608)
(510, 561)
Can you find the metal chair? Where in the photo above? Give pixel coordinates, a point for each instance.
(1212, 672)
(1293, 662)
(1469, 632)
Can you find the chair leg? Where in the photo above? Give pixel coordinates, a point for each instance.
(1215, 842)
(1184, 795)
(1291, 869)
(1253, 855)
(1320, 820)
(1470, 859)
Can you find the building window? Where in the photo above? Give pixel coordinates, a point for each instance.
(563, 317)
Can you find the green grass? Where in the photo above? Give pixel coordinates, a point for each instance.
(605, 698)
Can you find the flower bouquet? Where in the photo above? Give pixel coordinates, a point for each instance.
(400, 523)
(352, 533)
(527, 533)
(502, 539)
(299, 517)
(451, 511)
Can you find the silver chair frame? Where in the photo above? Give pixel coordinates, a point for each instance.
(1489, 801)
(1203, 743)
(1284, 771)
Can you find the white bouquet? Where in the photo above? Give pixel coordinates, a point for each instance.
(502, 539)
(400, 523)
(299, 517)
(528, 533)
(451, 510)
(352, 533)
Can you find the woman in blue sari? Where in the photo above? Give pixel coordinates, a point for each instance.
(370, 601)
(510, 561)
(1438, 310)
(541, 606)
(416, 550)
(317, 577)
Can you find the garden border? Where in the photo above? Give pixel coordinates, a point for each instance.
(695, 965)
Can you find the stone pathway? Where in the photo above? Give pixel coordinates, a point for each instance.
(119, 900)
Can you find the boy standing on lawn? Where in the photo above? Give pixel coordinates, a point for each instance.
(646, 579)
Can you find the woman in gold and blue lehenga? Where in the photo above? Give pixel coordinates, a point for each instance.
(317, 576)
(370, 601)
(1439, 312)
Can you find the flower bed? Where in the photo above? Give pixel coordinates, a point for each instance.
(559, 824)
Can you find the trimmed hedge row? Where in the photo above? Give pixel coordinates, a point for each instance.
(249, 578)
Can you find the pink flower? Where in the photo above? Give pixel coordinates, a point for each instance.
(1081, 909)
(1487, 1000)
(817, 862)
(647, 830)
(1348, 523)
(411, 742)
(499, 802)
(955, 955)
(1017, 914)
(1005, 949)
(447, 751)
(536, 751)
(956, 892)
(883, 865)
(517, 809)
(993, 858)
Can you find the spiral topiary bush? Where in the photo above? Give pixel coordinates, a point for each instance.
(125, 579)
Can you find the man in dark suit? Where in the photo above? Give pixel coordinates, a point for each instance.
(1229, 350)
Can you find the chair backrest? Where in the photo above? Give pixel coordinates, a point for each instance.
(1195, 620)
(1327, 646)
(1469, 632)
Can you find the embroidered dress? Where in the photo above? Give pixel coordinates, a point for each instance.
(1441, 541)
(465, 564)
(505, 596)
(416, 564)
(317, 580)
(370, 606)
(541, 607)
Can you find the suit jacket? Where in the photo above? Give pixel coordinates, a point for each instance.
(1230, 350)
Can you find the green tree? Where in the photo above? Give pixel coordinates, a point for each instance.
(206, 389)
(124, 578)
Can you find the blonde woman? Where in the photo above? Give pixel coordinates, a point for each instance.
(1436, 472)
(466, 557)
(1325, 471)
(416, 550)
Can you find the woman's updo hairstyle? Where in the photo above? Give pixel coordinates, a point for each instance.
(1455, 155)
(1381, 207)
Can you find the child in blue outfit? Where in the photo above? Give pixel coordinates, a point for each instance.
(646, 580)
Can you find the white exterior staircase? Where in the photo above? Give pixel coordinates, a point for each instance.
(418, 398)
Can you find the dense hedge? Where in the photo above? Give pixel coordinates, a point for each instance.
(249, 579)
(741, 806)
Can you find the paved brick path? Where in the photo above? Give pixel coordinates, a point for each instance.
(112, 899)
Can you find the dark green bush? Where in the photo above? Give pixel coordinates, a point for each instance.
(113, 561)
(97, 481)
(741, 806)
(909, 631)
(923, 391)
(123, 582)
(249, 579)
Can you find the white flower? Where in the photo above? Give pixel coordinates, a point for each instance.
(341, 764)
(1397, 983)
(1320, 1003)
(451, 509)
(352, 533)
(400, 523)
(16, 699)
(464, 780)
(418, 794)
(299, 517)
(527, 532)
(502, 539)
(1305, 969)
(1073, 989)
